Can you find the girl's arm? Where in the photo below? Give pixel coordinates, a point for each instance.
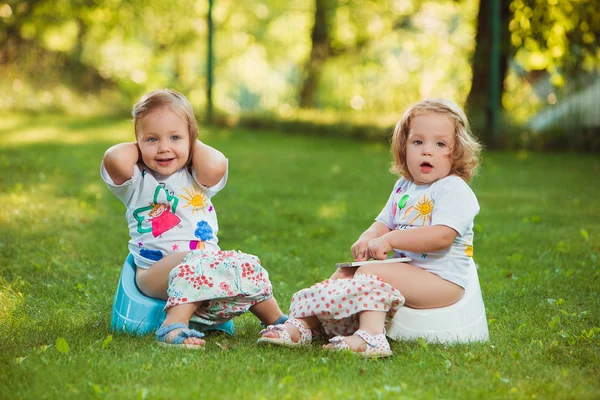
(210, 164)
(418, 240)
(119, 161)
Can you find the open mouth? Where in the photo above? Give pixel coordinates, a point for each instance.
(426, 167)
(165, 161)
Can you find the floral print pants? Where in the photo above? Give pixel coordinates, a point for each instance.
(337, 303)
(227, 283)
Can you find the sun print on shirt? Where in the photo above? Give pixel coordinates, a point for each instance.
(195, 198)
(423, 209)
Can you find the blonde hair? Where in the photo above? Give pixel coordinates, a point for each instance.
(466, 150)
(174, 101)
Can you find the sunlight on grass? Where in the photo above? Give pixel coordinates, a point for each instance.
(298, 203)
(10, 121)
(42, 209)
(95, 190)
(37, 135)
(332, 211)
(15, 202)
(10, 300)
(53, 135)
(376, 147)
(23, 131)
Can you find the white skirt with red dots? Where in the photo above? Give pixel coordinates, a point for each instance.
(337, 303)
(227, 283)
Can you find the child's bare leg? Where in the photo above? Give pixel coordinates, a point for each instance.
(267, 311)
(421, 289)
(154, 281)
(311, 323)
(181, 314)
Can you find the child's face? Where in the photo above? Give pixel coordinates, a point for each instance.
(164, 141)
(429, 148)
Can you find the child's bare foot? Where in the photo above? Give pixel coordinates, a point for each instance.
(291, 334)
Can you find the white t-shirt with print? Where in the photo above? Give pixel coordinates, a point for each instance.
(448, 201)
(167, 214)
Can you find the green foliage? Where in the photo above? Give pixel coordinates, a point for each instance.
(559, 36)
(387, 55)
(298, 202)
(555, 51)
(85, 57)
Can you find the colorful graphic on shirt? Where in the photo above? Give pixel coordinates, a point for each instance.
(162, 219)
(469, 248)
(197, 245)
(402, 202)
(153, 255)
(203, 232)
(159, 216)
(400, 205)
(195, 198)
(423, 208)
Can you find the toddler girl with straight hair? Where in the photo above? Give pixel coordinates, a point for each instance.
(428, 217)
(166, 180)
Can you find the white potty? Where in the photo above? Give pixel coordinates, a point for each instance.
(461, 322)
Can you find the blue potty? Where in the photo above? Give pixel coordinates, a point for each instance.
(135, 313)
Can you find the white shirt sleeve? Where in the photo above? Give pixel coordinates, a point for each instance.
(211, 191)
(386, 215)
(125, 190)
(455, 205)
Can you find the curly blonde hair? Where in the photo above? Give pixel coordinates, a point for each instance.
(174, 101)
(466, 150)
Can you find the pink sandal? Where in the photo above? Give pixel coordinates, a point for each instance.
(284, 338)
(377, 346)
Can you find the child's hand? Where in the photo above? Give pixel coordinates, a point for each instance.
(360, 250)
(379, 248)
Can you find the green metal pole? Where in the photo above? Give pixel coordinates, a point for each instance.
(495, 84)
(209, 65)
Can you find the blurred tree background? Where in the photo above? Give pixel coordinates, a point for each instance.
(316, 64)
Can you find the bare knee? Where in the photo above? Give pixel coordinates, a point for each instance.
(365, 270)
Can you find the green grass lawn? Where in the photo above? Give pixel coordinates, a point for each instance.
(298, 202)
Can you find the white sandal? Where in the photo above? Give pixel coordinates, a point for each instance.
(284, 338)
(377, 346)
